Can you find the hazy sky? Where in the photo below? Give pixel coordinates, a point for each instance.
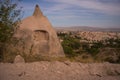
(96, 13)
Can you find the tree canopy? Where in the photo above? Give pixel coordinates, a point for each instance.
(9, 18)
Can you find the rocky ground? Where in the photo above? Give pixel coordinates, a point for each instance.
(45, 70)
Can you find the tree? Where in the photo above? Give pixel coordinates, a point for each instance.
(9, 19)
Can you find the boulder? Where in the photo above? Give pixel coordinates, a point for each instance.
(19, 59)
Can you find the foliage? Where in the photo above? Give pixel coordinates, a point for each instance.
(89, 52)
(94, 49)
(9, 19)
(69, 44)
(113, 43)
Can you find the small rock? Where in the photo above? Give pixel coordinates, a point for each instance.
(21, 74)
(67, 63)
(19, 59)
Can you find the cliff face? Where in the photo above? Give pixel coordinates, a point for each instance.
(36, 36)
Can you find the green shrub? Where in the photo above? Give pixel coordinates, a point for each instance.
(69, 45)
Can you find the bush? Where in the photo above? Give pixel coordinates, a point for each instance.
(69, 45)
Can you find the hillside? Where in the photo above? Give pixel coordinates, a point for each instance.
(87, 28)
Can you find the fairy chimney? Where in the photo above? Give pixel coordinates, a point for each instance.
(37, 36)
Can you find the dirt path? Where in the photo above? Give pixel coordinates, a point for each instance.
(59, 71)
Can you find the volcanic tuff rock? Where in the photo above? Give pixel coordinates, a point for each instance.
(36, 36)
(19, 59)
(59, 71)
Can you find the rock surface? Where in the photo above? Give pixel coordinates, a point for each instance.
(19, 59)
(36, 36)
(59, 71)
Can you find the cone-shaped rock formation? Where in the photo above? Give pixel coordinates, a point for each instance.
(36, 36)
(37, 12)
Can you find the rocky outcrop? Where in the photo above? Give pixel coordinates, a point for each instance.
(37, 37)
(19, 59)
(59, 71)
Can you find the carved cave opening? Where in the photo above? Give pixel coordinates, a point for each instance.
(40, 35)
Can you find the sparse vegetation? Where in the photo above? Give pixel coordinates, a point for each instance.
(113, 43)
(70, 44)
(89, 52)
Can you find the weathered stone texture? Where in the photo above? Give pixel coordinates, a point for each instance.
(36, 36)
(19, 59)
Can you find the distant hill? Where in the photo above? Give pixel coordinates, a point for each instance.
(87, 28)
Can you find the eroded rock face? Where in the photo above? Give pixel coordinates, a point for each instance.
(36, 36)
